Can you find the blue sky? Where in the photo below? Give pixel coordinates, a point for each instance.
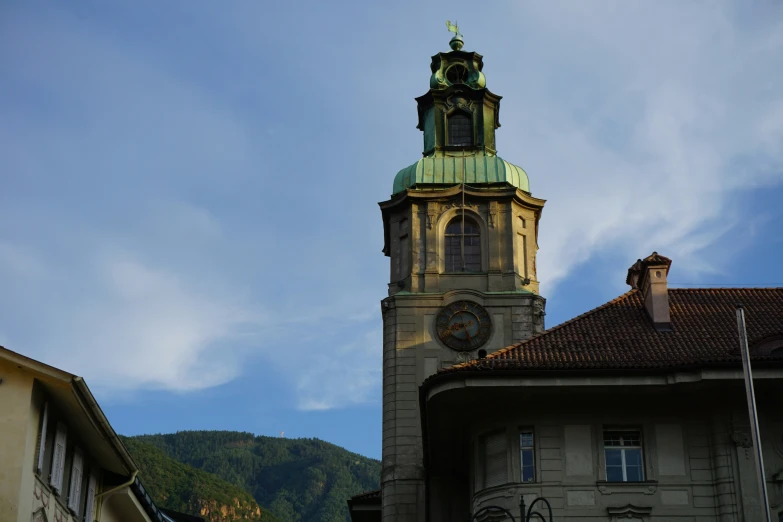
(189, 189)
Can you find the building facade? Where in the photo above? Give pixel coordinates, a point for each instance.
(60, 459)
(632, 411)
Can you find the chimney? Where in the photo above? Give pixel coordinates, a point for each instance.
(648, 275)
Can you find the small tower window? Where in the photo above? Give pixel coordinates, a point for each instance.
(455, 239)
(460, 129)
(457, 73)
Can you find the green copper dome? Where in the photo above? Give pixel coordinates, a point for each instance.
(450, 171)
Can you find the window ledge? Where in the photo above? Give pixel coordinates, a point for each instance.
(647, 487)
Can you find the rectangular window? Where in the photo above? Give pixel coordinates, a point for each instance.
(527, 456)
(522, 253)
(460, 129)
(623, 454)
(495, 459)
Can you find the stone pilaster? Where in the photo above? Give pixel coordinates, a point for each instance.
(722, 451)
(402, 471)
(747, 484)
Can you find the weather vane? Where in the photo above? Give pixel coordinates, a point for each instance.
(456, 42)
(453, 28)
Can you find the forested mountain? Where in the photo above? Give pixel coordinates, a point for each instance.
(296, 479)
(180, 487)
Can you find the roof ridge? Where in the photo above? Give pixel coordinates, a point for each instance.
(507, 349)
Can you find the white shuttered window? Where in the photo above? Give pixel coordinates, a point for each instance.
(495, 459)
(75, 493)
(42, 442)
(58, 457)
(89, 506)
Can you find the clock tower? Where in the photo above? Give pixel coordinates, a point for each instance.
(461, 231)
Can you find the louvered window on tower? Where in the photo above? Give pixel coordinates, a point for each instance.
(495, 459)
(454, 242)
(460, 129)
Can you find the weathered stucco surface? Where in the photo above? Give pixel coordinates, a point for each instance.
(15, 473)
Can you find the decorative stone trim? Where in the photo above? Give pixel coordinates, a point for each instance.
(40, 516)
(463, 357)
(42, 494)
(648, 487)
(629, 512)
(432, 213)
(457, 203)
(742, 439)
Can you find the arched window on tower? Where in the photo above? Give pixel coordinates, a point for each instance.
(455, 239)
(460, 129)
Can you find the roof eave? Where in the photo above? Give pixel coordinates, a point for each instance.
(465, 373)
(91, 407)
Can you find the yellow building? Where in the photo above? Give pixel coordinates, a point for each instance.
(60, 459)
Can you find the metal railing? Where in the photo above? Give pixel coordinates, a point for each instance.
(527, 516)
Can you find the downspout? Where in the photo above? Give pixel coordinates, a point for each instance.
(130, 481)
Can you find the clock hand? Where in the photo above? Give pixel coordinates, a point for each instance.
(465, 327)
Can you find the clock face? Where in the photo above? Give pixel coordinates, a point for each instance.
(463, 325)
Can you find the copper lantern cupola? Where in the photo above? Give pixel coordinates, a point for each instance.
(458, 113)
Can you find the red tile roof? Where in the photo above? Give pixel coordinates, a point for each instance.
(620, 335)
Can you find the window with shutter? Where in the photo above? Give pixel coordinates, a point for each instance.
(495, 459)
(75, 491)
(58, 458)
(42, 439)
(89, 505)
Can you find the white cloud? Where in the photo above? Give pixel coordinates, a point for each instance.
(150, 329)
(133, 326)
(671, 111)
